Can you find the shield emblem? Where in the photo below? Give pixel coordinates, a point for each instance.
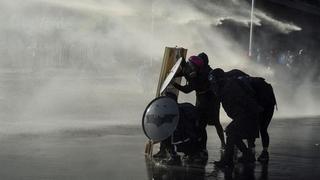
(160, 118)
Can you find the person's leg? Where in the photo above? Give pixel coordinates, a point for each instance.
(264, 124)
(203, 152)
(170, 147)
(214, 116)
(220, 134)
(227, 159)
(165, 146)
(247, 154)
(203, 133)
(174, 158)
(231, 142)
(241, 145)
(252, 145)
(265, 121)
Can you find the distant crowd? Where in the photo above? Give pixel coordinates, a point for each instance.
(298, 64)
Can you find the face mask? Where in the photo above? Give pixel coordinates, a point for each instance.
(190, 70)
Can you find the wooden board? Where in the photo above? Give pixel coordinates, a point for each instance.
(170, 57)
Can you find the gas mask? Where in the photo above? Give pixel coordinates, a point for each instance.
(190, 70)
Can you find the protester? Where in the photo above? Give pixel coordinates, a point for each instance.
(186, 138)
(241, 106)
(264, 95)
(196, 72)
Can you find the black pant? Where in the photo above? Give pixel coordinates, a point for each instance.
(264, 121)
(208, 107)
(189, 148)
(167, 145)
(203, 134)
(232, 141)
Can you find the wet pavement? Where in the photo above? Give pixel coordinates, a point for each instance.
(116, 152)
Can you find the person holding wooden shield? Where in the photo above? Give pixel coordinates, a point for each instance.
(196, 72)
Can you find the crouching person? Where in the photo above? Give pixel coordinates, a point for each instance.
(186, 138)
(240, 105)
(265, 97)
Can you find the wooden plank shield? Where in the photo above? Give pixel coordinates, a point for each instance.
(170, 57)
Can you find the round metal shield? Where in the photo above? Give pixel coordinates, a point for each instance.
(170, 76)
(160, 118)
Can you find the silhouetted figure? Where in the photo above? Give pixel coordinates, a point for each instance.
(186, 136)
(266, 99)
(196, 72)
(240, 105)
(264, 95)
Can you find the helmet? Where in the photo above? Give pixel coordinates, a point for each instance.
(216, 75)
(204, 57)
(194, 64)
(196, 61)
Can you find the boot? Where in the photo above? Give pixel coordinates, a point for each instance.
(194, 158)
(247, 157)
(223, 163)
(264, 156)
(173, 160)
(204, 154)
(161, 154)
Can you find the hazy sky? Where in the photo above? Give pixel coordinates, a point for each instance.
(100, 59)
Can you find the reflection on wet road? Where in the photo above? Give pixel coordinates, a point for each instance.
(157, 171)
(295, 154)
(116, 152)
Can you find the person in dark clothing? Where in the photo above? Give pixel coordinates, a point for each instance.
(263, 92)
(186, 136)
(266, 99)
(241, 106)
(196, 72)
(236, 73)
(166, 146)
